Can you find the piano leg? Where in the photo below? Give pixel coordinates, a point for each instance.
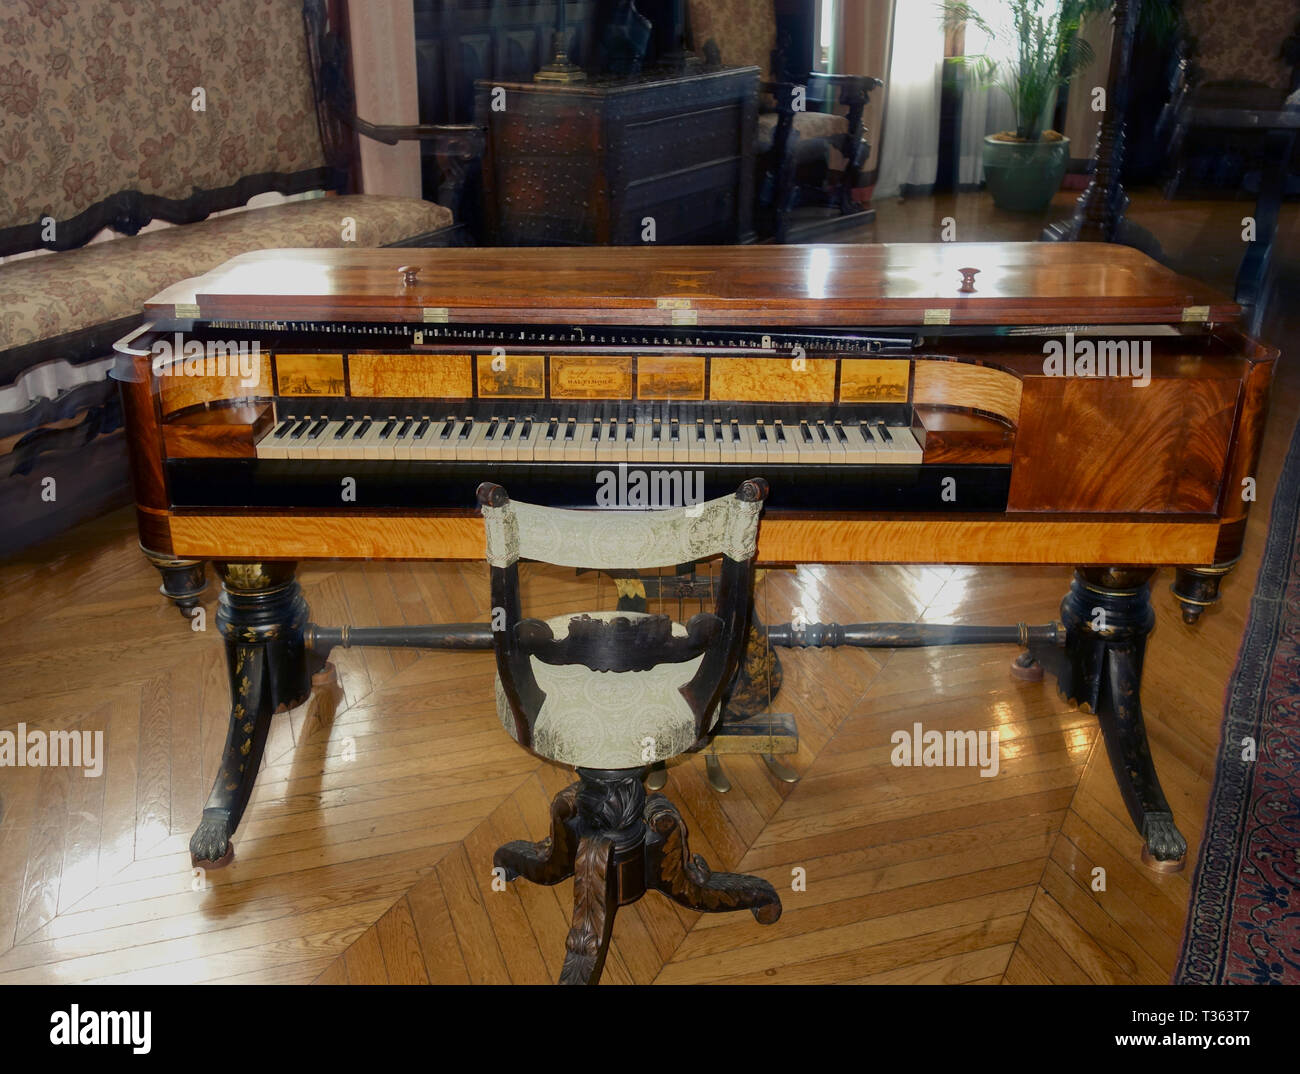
(1107, 617)
(261, 614)
(183, 580)
(1197, 588)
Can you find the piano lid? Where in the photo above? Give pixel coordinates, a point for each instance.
(892, 284)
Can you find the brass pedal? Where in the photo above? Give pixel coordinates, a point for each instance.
(717, 777)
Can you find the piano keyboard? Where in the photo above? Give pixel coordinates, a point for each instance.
(594, 434)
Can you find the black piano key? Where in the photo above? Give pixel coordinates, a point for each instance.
(885, 435)
(388, 428)
(300, 429)
(448, 428)
(282, 430)
(421, 429)
(494, 426)
(466, 428)
(362, 428)
(342, 430)
(405, 428)
(317, 429)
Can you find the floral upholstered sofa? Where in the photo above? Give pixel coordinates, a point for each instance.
(113, 116)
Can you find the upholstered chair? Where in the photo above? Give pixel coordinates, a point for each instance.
(611, 693)
(790, 139)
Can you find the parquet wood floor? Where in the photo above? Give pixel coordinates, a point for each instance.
(365, 854)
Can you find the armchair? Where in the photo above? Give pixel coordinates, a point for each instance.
(794, 140)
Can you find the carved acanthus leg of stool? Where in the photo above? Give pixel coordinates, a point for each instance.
(551, 860)
(1107, 617)
(261, 614)
(687, 879)
(183, 580)
(595, 902)
(1197, 588)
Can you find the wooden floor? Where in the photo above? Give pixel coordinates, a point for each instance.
(365, 855)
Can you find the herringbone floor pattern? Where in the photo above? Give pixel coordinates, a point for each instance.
(365, 854)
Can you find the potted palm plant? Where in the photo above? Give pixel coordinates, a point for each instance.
(1042, 52)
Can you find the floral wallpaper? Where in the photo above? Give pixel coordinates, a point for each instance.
(162, 96)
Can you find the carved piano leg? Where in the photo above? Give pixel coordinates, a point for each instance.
(1107, 617)
(183, 580)
(1197, 588)
(261, 614)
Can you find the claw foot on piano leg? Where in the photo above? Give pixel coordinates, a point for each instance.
(210, 843)
(1164, 848)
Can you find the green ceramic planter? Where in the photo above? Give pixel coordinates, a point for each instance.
(1023, 176)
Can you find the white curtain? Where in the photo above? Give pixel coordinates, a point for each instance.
(984, 109)
(909, 150)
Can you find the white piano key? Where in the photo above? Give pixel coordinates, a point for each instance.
(385, 445)
(550, 444)
(526, 439)
(325, 445)
(402, 438)
(908, 450)
(749, 445)
(642, 448)
(717, 440)
(367, 445)
(507, 440)
(421, 442)
(477, 447)
(272, 445)
(783, 436)
(856, 449)
(834, 447)
(681, 446)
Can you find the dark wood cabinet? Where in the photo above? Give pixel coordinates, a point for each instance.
(589, 163)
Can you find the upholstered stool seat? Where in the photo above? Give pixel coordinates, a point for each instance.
(609, 719)
(611, 693)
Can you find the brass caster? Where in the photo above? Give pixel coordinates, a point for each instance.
(657, 778)
(1156, 865)
(1025, 668)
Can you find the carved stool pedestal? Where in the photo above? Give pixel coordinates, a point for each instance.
(618, 844)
